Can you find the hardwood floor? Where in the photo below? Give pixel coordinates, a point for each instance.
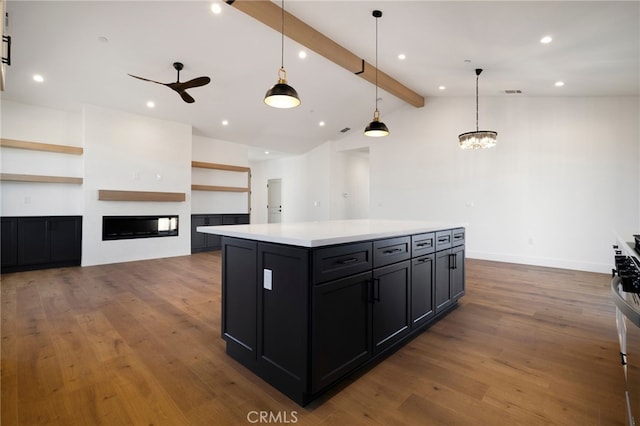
(139, 344)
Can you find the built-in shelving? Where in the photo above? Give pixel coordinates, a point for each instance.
(12, 177)
(110, 195)
(228, 168)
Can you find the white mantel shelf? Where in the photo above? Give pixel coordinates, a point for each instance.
(325, 233)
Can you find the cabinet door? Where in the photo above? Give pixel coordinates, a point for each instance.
(283, 276)
(390, 305)
(212, 241)
(457, 273)
(65, 234)
(33, 241)
(9, 236)
(341, 328)
(422, 274)
(442, 288)
(197, 238)
(239, 295)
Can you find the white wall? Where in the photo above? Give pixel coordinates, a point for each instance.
(220, 152)
(43, 125)
(128, 152)
(563, 178)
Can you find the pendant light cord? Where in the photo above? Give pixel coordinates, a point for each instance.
(376, 63)
(282, 39)
(477, 128)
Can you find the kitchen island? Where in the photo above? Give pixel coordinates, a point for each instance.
(304, 305)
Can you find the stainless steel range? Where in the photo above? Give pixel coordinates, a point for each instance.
(625, 289)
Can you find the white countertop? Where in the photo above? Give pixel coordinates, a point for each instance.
(316, 234)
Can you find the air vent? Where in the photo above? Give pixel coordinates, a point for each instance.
(345, 130)
(512, 91)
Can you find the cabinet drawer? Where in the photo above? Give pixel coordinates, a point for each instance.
(341, 261)
(458, 237)
(423, 244)
(443, 240)
(392, 250)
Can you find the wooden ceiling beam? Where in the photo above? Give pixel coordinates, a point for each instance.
(270, 14)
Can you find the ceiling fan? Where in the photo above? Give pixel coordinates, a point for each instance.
(181, 87)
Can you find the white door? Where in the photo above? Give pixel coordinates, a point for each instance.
(274, 206)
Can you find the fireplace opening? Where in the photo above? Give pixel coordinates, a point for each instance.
(127, 227)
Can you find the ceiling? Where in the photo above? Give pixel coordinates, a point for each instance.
(85, 49)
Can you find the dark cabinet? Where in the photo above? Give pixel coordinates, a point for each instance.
(304, 318)
(341, 328)
(206, 242)
(283, 288)
(41, 242)
(9, 234)
(239, 298)
(422, 280)
(449, 274)
(390, 298)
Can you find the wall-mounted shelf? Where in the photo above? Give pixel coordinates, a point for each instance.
(217, 188)
(39, 178)
(109, 195)
(37, 146)
(227, 167)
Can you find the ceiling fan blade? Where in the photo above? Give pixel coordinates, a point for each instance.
(186, 97)
(146, 79)
(196, 82)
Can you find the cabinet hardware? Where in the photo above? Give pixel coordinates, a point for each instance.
(443, 240)
(376, 298)
(395, 250)
(424, 259)
(7, 60)
(424, 244)
(623, 358)
(347, 261)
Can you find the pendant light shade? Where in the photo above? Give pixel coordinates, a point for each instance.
(480, 138)
(376, 128)
(281, 95)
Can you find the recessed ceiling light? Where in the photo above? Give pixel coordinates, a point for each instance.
(546, 40)
(441, 87)
(302, 54)
(225, 122)
(266, 152)
(151, 104)
(402, 56)
(321, 124)
(38, 78)
(559, 83)
(216, 8)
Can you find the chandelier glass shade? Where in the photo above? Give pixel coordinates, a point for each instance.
(281, 95)
(478, 139)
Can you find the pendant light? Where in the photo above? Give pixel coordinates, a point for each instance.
(281, 95)
(376, 128)
(480, 138)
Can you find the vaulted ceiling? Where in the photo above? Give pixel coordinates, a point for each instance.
(85, 49)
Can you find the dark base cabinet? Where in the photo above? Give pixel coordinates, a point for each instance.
(303, 319)
(41, 242)
(207, 242)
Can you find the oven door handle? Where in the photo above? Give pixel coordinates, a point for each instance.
(629, 312)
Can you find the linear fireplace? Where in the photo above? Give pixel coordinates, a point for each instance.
(127, 227)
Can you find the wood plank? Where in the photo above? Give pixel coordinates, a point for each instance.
(110, 195)
(270, 14)
(139, 343)
(11, 177)
(219, 188)
(37, 146)
(228, 167)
